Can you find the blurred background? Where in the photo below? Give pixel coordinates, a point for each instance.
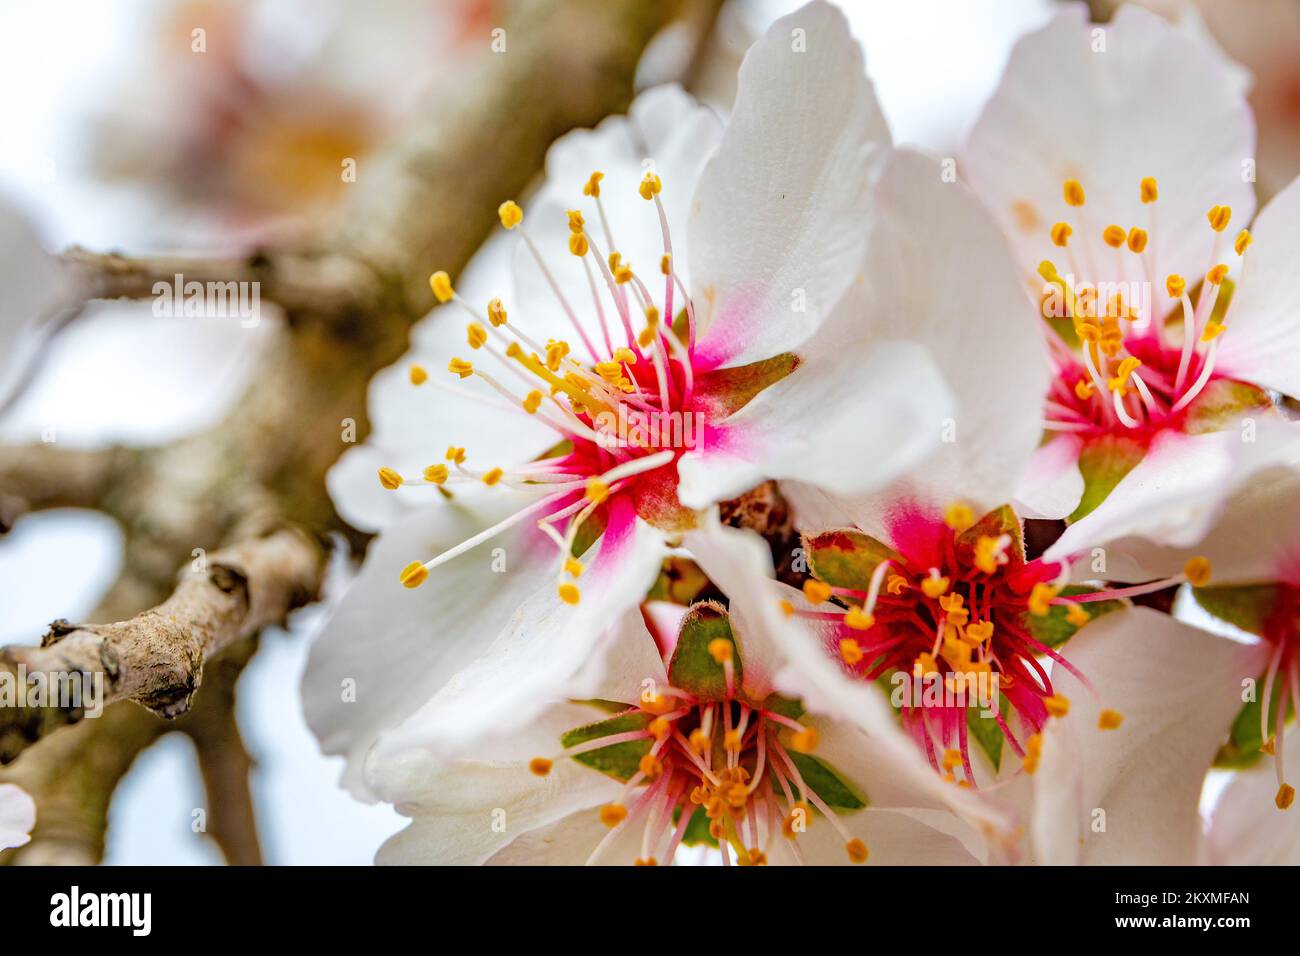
(198, 126)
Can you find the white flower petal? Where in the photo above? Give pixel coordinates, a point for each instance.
(939, 273)
(1052, 485)
(892, 839)
(846, 423)
(1261, 343)
(780, 210)
(1178, 689)
(464, 811)
(17, 816)
(1109, 105)
(386, 650)
(548, 650)
(32, 287)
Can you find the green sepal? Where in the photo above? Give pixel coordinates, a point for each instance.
(828, 785)
(723, 391)
(693, 668)
(996, 523)
(986, 731)
(1104, 462)
(847, 558)
(620, 761)
(1248, 607)
(1054, 629)
(1222, 403)
(1242, 748)
(791, 707)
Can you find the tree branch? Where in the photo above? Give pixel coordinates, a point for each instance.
(156, 658)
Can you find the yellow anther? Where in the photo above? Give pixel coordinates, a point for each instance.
(569, 593)
(440, 283)
(1285, 796)
(1216, 275)
(731, 740)
(924, 664)
(556, 350)
(1047, 269)
(896, 584)
(666, 264)
(1057, 706)
(614, 259)
(592, 186)
(578, 243)
(1175, 285)
(1113, 236)
(1211, 331)
(597, 490)
(1219, 217)
(1040, 599)
(576, 222)
(978, 632)
(805, 741)
(859, 619)
(1073, 192)
(1197, 572)
(1061, 233)
(933, 587)
(1076, 615)
(645, 337)
(954, 606)
(458, 366)
(413, 575)
(699, 741)
(1148, 191)
(510, 213)
(623, 274)
(1137, 240)
(436, 474)
(1269, 746)
(493, 476)
(951, 759)
(574, 567)
(1109, 720)
(612, 814)
(721, 649)
(1244, 239)
(857, 850)
(648, 861)
(850, 651)
(625, 356)
(1033, 752)
(652, 317)
(418, 375)
(651, 766)
(496, 313)
(650, 186)
(658, 704)
(389, 478)
(475, 335)
(1084, 389)
(817, 592)
(611, 372)
(455, 454)
(989, 553)
(660, 728)
(958, 516)
(532, 402)
(787, 608)
(540, 766)
(757, 857)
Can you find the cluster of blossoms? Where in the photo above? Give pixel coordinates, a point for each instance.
(1028, 425)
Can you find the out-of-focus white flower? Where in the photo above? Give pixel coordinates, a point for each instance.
(17, 816)
(661, 401)
(1116, 158)
(30, 292)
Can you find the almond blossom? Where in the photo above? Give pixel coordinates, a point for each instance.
(1119, 160)
(644, 372)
